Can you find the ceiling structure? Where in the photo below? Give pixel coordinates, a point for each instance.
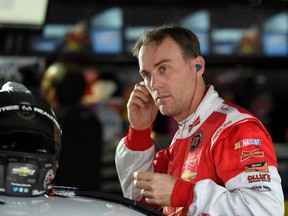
(207, 3)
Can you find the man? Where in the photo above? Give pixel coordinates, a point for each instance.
(221, 160)
(63, 86)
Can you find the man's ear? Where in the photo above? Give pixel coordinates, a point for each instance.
(200, 65)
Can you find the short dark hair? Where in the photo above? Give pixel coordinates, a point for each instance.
(186, 39)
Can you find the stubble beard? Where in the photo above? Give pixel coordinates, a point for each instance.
(167, 110)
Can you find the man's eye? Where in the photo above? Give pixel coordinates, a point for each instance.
(146, 75)
(163, 68)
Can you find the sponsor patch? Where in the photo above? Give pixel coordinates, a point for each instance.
(257, 167)
(196, 140)
(188, 175)
(23, 171)
(248, 154)
(48, 178)
(259, 178)
(26, 111)
(190, 162)
(261, 188)
(247, 142)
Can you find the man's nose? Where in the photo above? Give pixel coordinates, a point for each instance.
(155, 82)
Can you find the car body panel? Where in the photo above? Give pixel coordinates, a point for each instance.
(70, 206)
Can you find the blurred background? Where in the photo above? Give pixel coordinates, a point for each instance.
(244, 43)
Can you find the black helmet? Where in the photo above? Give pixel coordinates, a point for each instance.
(30, 142)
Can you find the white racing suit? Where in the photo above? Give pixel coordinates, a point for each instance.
(224, 159)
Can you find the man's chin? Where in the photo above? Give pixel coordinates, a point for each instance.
(164, 111)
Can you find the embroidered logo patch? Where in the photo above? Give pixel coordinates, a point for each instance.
(190, 162)
(259, 178)
(188, 175)
(247, 142)
(196, 140)
(257, 167)
(248, 154)
(261, 188)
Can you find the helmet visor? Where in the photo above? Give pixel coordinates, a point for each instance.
(26, 142)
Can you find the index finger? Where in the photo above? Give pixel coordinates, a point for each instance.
(141, 86)
(143, 176)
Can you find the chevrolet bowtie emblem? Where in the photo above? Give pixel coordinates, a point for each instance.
(23, 171)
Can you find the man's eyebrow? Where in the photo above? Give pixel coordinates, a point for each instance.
(155, 65)
(161, 62)
(142, 71)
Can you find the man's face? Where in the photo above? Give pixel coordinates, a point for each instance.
(168, 77)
